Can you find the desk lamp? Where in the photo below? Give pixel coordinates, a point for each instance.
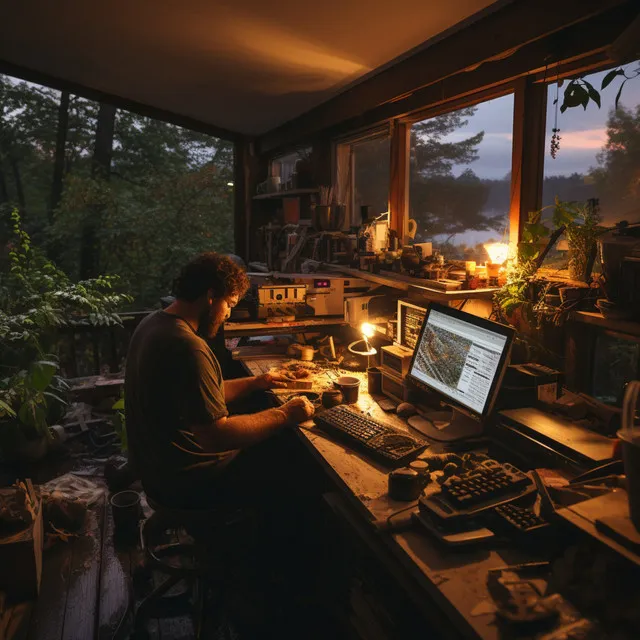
(367, 330)
(498, 253)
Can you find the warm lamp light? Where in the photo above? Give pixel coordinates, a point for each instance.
(498, 252)
(367, 330)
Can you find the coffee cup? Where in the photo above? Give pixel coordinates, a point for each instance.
(350, 387)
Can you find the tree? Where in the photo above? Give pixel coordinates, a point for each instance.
(144, 202)
(441, 203)
(617, 177)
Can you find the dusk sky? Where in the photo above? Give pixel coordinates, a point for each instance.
(583, 133)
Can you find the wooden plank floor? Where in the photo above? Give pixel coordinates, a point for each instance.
(85, 591)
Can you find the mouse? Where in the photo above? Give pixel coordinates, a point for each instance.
(406, 410)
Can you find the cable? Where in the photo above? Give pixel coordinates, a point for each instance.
(389, 525)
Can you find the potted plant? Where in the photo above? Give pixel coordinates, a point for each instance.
(36, 298)
(581, 222)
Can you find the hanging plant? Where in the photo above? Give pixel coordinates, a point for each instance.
(580, 92)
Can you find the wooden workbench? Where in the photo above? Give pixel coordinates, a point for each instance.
(453, 580)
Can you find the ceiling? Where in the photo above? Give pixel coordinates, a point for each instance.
(244, 67)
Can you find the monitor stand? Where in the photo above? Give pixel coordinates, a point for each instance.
(446, 426)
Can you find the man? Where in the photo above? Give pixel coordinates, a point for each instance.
(182, 440)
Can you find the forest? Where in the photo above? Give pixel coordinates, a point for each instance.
(106, 191)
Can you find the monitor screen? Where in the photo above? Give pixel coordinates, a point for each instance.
(461, 356)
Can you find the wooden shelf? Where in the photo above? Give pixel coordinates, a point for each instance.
(596, 319)
(415, 285)
(253, 328)
(285, 194)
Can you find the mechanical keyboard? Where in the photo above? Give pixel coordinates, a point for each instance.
(520, 519)
(488, 485)
(377, 440)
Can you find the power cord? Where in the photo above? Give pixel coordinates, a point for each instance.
(388, 525)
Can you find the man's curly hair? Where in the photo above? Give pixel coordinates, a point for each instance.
(210, 271)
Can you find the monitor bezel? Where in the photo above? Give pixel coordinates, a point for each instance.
(483, 323)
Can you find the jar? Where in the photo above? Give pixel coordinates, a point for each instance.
(331, 398)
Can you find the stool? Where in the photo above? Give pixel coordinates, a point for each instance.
(191, 562)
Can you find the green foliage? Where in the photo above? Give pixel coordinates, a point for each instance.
(579, 92)
(36, 299)
(119, 424)
(441, 203)
(165, 198)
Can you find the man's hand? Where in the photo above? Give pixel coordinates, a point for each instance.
(298, 409)
(271, 381)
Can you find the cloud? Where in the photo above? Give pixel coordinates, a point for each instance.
(583, 139)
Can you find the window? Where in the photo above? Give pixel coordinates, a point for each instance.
(615, 363)
(363, 176)
(294, 169)
(460, 178)
(371, 169)
(598, 156)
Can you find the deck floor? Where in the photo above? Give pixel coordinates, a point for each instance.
(289, 588)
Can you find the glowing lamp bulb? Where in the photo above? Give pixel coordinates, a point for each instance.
(229, 184)
(498, 252)
(367, 330)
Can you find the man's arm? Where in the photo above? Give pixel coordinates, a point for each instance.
(237, 432)
(240, 387)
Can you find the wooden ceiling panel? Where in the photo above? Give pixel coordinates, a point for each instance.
(241, 66)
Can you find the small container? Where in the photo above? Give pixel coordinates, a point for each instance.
(374, 380)
(405, 484)
(331, 398)
(350, 387)
(420, 466)
(631, 459)
(127, 513)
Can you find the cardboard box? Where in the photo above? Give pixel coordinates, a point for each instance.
(21, 559)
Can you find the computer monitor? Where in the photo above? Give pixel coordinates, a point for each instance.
(462, 358)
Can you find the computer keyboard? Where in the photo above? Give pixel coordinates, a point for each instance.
(377, 440)
(486, 486)
(519, 519)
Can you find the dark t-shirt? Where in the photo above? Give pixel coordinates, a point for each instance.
(172, 382)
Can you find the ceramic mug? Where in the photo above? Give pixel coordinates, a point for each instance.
(350, 387)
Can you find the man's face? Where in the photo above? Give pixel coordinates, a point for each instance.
(215, 312)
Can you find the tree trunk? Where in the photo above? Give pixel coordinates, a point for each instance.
(4, 193)
(15, 168)
(100, 169)
(59, 160)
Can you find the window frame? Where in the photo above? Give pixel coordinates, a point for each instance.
(344, 184)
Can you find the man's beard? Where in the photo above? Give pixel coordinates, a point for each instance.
(208, 327)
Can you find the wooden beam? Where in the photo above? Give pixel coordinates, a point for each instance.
(527, 167)
(399, 178)
(486, 44)
(120, 102)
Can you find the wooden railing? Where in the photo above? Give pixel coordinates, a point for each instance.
(89, 350)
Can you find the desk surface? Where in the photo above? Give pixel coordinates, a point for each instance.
(454, 579)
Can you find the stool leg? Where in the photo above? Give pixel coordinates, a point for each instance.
(143, 610)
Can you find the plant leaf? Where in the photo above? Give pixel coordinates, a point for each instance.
(608, 79)
(593, 94)
(41, 374)
(118, 404)
(4, 407)
(619, 94)
(55, 396)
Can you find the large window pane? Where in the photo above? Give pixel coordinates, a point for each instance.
(599, 154)
(371, 169)
(460, 179)
(615, 364)
(293, 169)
